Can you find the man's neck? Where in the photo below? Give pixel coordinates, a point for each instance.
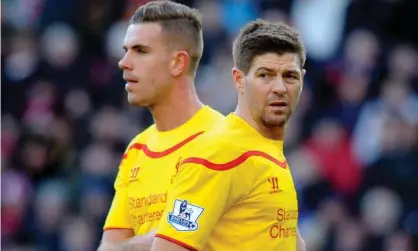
(176, 109)
(273, 133)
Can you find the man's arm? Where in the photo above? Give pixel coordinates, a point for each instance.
(117, 235)
(116, 239)
(124, 240)
(162, 244)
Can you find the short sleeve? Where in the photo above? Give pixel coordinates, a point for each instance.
(118, 216)
(197, 199)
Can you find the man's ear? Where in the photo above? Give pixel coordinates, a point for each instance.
(238, 77)
(179, 63)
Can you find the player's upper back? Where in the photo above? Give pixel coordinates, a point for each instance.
(234, 144)
(254, 199)
(233, 139)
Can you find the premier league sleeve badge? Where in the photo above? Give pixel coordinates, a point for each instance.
(185, 215)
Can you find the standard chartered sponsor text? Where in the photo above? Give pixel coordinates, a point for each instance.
(284, 227)
(147, 217)
(139, 202)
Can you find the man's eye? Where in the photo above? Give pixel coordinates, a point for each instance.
(263, 75)
(292, 76)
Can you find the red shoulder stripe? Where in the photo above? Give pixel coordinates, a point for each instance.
(182, 244)
(154, 154)
(116, 228)
(233, 163)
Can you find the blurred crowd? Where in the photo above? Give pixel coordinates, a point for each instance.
(352, 144)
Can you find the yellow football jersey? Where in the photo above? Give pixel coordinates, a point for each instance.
(234, 191)
(146, 170)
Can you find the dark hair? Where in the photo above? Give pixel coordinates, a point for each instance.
(260, 37)
(182, 24)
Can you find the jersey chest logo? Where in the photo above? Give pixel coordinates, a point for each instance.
(133, 174)
(173, 178)
(184, 216)
(274, 182)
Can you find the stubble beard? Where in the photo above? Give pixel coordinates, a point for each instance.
(275, 121)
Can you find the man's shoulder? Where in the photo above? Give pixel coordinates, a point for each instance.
(214, 114)
(207, 118)
(216, 147)
(143, 135)
(219, 136)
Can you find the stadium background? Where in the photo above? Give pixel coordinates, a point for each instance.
(352, 144)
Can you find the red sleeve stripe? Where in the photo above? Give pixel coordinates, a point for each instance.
(182, 244)
(235, 162)
(153, 154)
(116, 228)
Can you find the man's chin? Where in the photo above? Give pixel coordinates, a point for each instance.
(134, 101)
(276, 121)
(272, 124)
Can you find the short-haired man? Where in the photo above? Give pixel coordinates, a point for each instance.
(163, 46)
(236, 181)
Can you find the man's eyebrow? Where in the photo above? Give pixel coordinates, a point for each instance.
(293, 71)
(137, 47)
(263, 68)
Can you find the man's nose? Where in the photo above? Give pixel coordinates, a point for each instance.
(279, 85)
(124, 63)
